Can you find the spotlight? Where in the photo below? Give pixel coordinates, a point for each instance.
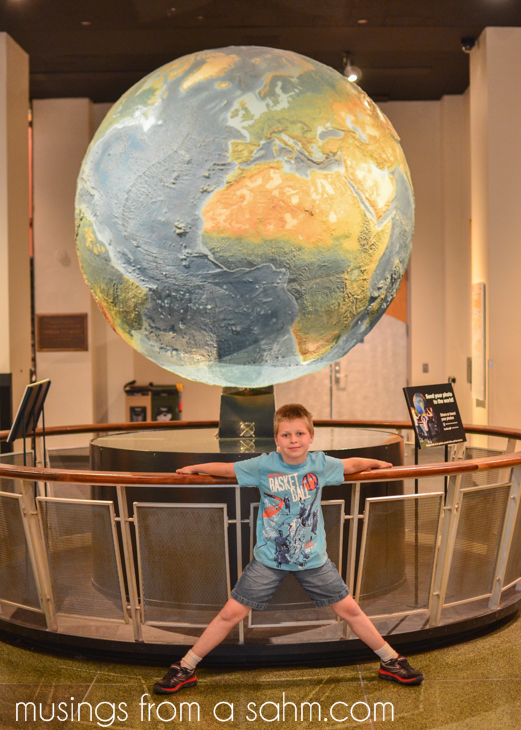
(352, 73)
(467, 44)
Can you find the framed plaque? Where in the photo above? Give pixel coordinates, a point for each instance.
(61, 332)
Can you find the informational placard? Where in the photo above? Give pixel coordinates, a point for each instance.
(61, 332)
(435, 415)
(29, 410)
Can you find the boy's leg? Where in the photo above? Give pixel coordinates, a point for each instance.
(181, 675)
(349, 610)
(230, 615)
(393, 666)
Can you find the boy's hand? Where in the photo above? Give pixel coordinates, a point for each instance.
(188, 469)
(214, 469)
(356, 464)
(377, 464)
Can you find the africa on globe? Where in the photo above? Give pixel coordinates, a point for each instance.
(244, 216)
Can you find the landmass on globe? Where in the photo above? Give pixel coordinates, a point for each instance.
(244, 216)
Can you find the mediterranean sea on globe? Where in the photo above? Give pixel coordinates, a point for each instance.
(244, 216)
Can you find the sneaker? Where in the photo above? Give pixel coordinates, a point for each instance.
(399, 670)
(175, 679)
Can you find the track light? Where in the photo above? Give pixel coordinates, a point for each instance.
(352, 73)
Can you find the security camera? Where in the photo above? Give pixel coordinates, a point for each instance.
(467, 44)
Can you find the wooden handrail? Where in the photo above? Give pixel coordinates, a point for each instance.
(510, 433)
(502, 461)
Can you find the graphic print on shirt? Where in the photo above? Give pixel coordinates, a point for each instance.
(291, 520)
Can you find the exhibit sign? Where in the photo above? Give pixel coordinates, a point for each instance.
(61, 332)
(435, 415)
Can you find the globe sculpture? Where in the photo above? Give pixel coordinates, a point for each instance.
(244, 216)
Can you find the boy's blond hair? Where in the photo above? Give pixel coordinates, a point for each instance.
(290, 412)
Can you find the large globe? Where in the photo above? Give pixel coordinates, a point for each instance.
(244, 216)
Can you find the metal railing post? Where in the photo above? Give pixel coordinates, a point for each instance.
(238, 533)
(505, 475)
(506, 540)
(38, 554)
(130, 568)
(351, 545)
(446, 546)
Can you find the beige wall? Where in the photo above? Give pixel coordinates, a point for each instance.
(435, 138)
(495, 95)
(62, 129)
(15, 295)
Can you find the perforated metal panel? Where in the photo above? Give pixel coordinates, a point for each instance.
(478, 537)
(183, 561)
(74, 457)
(290, 596)
(513, 569)
(83, 558)
(480, 478)
(17, 583)
(16, 458)
(399, 553)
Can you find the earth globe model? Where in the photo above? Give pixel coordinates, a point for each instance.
(244, 216)
(419, 403)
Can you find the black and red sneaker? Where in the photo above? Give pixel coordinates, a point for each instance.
(175, 679)
(399, 670)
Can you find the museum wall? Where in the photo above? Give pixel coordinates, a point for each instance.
(89, 386)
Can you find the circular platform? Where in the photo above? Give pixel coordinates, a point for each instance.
(137, 571)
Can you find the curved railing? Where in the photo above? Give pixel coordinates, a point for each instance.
(66, 557)
(503, 461)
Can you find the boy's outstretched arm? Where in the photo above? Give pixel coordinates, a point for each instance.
(214, 469)
(355, 464)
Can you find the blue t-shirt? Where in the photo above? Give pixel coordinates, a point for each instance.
(290, 526)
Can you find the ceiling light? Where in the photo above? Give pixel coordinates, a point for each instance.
(362, 21)
(85, 22)
(352, 73)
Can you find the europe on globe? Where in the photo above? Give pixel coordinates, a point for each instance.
(244, 216)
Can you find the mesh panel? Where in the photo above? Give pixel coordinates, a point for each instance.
(290, 596)
(183, 557)
(473, 566)
(15, 459)
(17, 582)
(82, 558)
(480, 478)
(513, 570)
(74, 457)
(398, 562)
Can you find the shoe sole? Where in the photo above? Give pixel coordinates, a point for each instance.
(158, 690)
(390, 677)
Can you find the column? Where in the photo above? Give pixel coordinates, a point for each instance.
(495, 110)
(15, 287)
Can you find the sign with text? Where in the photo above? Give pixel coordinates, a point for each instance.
(61, 332)
(435, 415)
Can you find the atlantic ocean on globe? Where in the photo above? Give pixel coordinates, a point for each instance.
(244, 216)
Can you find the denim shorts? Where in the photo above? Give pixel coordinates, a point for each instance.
(258, 583)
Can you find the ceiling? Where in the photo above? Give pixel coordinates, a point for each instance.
(407, 49)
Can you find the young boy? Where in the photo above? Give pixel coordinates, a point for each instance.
(290, 537)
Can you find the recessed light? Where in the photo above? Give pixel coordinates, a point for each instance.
(85, 22)
(362, 21)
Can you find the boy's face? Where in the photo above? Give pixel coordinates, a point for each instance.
(293, 439)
